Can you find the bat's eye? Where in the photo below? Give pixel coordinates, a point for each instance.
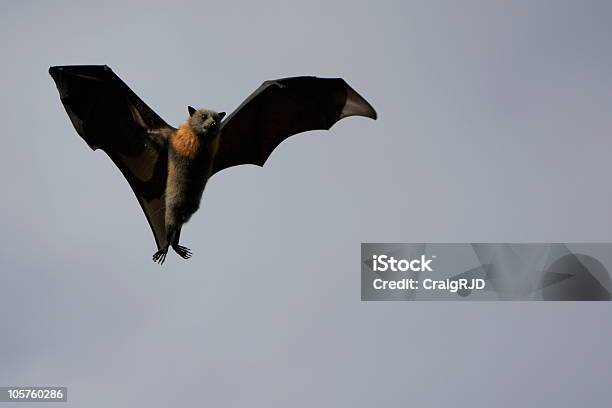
(213, 123)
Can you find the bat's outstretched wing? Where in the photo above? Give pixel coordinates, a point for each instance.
(281, 108)
(108, 115)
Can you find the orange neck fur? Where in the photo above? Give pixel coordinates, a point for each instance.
(185, 142)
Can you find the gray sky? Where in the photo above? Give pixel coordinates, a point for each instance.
(494, 125)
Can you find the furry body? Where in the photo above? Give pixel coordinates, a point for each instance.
(191, 151)
(189, 166)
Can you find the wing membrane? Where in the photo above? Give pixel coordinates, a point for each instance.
(281, 108)
(108, 115)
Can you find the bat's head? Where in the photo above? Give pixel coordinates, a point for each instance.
(204, 121)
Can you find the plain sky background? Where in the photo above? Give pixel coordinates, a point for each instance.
(494, 125)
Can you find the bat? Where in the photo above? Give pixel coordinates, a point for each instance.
(167, 167)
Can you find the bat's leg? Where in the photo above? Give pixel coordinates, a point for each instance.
(160, 256)
(172, 236)
(184, 252)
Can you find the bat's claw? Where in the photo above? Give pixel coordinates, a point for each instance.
(184, 252)
(160, 256)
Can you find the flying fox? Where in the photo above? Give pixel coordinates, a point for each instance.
(167, 167)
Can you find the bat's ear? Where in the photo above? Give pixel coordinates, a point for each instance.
(191, 110)
(221, 115)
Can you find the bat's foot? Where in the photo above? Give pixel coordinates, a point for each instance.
(160, 256)
(184, 252)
